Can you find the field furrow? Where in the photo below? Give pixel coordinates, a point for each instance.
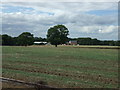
(63, 66)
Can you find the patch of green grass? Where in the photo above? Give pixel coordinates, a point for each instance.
(62, 55)
(60, 80)
(83, 70)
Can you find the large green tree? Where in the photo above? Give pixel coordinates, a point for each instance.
(57, 35)
(25, 39)
(7, 40)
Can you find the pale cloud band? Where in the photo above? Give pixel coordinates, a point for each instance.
(61, 1)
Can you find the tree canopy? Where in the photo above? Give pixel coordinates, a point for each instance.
(7, 40)
(57, 35)
(25, 39)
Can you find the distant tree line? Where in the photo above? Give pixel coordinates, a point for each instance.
(90, 41)
(27, 38)
(23, 39)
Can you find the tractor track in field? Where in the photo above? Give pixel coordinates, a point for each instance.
(45, 71)
(68, 66)
(36, 86)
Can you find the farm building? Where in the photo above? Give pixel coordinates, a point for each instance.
(40, 43)
(72, 42)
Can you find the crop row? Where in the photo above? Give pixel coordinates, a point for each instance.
(81, 77)
(68, 66)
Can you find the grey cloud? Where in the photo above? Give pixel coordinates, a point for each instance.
(73, 15)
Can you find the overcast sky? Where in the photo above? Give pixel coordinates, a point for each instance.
(83, 19)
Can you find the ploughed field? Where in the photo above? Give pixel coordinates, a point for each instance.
(64, 66)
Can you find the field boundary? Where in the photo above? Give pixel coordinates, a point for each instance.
(100, 47)
(35, 85)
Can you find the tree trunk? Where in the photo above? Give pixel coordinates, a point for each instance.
(55, 45)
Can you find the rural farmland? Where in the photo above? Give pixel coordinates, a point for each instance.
(63, 67)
